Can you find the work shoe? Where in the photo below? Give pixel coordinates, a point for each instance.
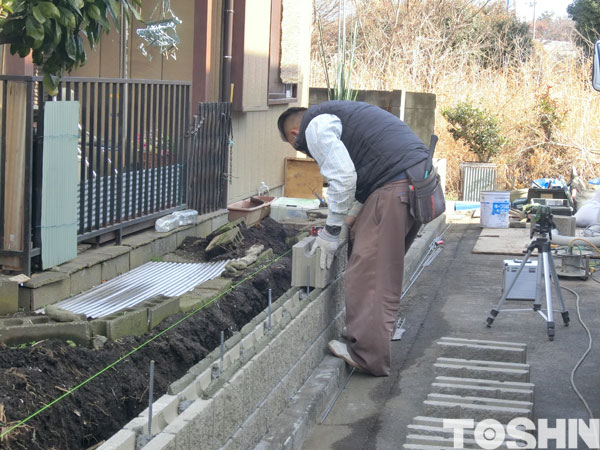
(340, 350)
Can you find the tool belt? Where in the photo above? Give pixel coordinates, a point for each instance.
(426, 196)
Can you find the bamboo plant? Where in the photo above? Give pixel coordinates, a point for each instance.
(342, 89)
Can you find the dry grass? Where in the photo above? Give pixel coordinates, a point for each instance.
(411, 58)
(511, 96)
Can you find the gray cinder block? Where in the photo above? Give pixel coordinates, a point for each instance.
(9, 296)
(306, 269)
(123, 440)
(565, 225)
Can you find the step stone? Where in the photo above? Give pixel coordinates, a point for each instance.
(457, 410)
(480, 401)
(482, 391)
(483, 350)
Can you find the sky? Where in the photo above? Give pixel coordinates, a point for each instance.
(525, 8)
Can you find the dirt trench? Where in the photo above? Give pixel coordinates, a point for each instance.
(35, 375)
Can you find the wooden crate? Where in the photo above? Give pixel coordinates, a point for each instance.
(302, 178)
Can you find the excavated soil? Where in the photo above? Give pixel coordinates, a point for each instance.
(52, 374)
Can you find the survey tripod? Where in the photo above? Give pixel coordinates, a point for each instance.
(545, 269)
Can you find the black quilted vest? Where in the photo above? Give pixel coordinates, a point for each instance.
(381, 146)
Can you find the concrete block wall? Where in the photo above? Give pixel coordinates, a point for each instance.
(493, 386)
(234, 405)
(417, 109)
(419, 114)
(306, 407)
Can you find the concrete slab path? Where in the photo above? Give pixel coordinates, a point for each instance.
(452, 298)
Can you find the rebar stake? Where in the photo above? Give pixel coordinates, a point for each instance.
(222, 350)
(307, 280)
(150, 397)
(269, 310)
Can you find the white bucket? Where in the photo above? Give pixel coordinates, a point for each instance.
(494, 209)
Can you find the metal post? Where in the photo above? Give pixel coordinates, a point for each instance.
(150, 397)
(533, 4)
(227, 49)
(222, 350)
(269, 309)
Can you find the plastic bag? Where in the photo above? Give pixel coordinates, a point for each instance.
(589, 213)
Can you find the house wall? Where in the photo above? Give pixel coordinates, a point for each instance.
(214, 62)
(104, 60)
(256, 55)
(258, 152)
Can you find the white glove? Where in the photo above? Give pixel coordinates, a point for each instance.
(328, 244)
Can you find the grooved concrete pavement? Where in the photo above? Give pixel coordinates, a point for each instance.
(452, 298)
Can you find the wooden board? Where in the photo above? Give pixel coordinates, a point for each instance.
(302, 178)
(510, 241)
(502, 241)
(14, 194)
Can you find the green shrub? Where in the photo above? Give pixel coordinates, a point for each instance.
(478, 129)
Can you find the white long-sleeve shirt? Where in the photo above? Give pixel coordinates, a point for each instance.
(323, 137)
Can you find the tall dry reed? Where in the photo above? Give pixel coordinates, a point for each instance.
(403, 47)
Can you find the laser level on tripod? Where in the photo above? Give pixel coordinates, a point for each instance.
(545, 270)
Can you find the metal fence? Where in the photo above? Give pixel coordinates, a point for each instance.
(131, 150)
(138, 157)
(207, 165)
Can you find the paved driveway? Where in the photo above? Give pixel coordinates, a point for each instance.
(453, 297)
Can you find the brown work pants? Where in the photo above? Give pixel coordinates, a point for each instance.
(373, 282)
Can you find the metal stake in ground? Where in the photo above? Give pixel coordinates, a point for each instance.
(269, 310)
(150, 397)
(222, 350)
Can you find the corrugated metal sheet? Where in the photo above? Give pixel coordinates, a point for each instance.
(59, 183)
(137, 184)
(149, 280)
(476, 177)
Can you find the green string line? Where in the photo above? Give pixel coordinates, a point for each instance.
(110, 366)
